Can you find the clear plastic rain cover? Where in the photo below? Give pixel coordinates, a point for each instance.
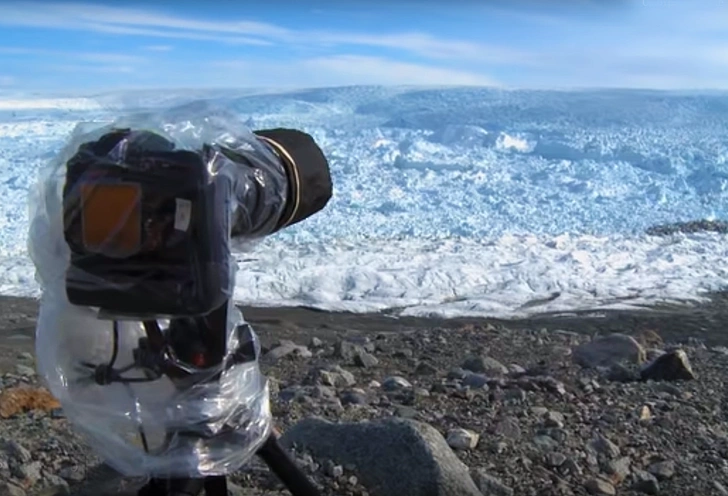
(130, 227)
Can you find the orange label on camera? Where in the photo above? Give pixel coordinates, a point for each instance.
(112, 218)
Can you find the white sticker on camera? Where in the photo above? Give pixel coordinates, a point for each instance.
(182, 214)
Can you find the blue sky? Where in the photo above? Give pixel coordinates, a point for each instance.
(98, 46)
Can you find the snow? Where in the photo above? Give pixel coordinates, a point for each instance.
(455, 201)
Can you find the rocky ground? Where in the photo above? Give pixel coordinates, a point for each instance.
(381, 406)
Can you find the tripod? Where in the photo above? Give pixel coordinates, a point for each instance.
(272, 453)
(200, 341)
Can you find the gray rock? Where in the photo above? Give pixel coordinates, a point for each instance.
(353, 397)
(462, 439)
(546, 383)
(672, 366)
(662, 470)
(333, 470)
(332, 375)
(315, 343)
(489, 485)
(73, 473)
(286, 348)
(509, 428)
(554, 419)
(28, 357)
(8, 489)
(539, 411)
(618, 470)
(347, 350)
(365, 360)
(484, 364)
(29, 472)
(425, 368)
(722, 491)
(555, 459)
(476, 381)
(404, 411)
(516, 370)
(545, 442)
(24, 370)
(645, 482)
(56, 484)
(617, 372)
(457, 374)
(378, 450)
(17, 452)
(600, 487)
(605, 351)
(396, 383)
(405, 353)
(603, 446)
(570, 466)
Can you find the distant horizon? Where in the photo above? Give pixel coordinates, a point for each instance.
(85, 47)
(90, 95)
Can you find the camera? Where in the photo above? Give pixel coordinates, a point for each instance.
(138, 335)
(148, 224)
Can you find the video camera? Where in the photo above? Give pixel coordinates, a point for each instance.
(147, 208)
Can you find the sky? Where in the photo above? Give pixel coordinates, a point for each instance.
(91, 47)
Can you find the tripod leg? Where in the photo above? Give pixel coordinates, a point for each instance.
(172, 487)
(216, 486)
(285, 468)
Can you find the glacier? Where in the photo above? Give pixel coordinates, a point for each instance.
(452, 201)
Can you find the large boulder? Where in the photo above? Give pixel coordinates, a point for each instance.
(392, 457)
(612, 349)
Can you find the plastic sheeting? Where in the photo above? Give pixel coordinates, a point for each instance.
(210, 423)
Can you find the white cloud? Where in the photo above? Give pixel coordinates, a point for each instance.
(159, 48)
(429, 46)
(671, 46)
(91, 57)
(343, 70)
(138, 22)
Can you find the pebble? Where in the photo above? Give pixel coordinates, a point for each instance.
(8, 489)
(508, 427)
(600, 487)
(424, 368)
(24, 370)
(476, 381)
(662, 470)
(462, 439)
(72, 473)
(555, 459)
(30, 472)
(365, 360)
(645, 482)
(618, 470)
(490, 485)
(396, 383)
(484, 364)
(18, 452)
(353, 397)
(554, 419)
(602, 445)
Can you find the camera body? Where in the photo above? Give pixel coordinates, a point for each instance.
(147, 226)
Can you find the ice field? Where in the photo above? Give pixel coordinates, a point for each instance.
(454, 201)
